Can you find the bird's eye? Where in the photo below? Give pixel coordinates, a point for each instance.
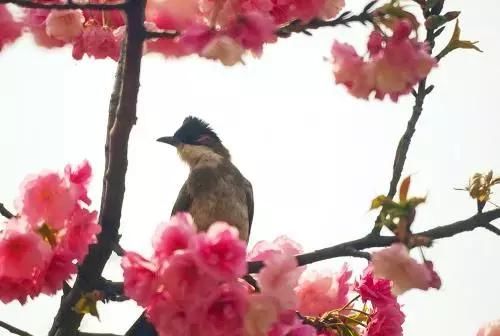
(204, 139)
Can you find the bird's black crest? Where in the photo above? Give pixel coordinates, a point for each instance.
(192, 129)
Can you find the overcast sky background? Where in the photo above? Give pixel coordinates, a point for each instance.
(315, 155)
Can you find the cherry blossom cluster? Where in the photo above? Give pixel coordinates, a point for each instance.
(215, 29)
(192, 283)
(394, 64)
(40, 247)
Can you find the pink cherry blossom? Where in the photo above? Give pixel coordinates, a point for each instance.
(318, 293)
(65, 25)
(225, 310)
(282, 244)
(184, 280)
(395, 65)
(220, 252)
(490, 329)
(252, 30)
(262, 312)
(394, 263)
(224, 49)
(17, 289)
(46, 199)
(194, 38)
(10, 30)
(111, 18)
(98, 42)
(375, 290)
(79, 179)
(173, 235)
(80, 233)
(140, 278)
(387, 320)
(350, 70)
(435, 278)
(172, 14)
(289, 324)
(22, 253)
(278, 279)
(60, 269)
(168, 316)
(331, 9)
(34, 20)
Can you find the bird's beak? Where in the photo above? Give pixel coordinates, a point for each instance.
(169, 140)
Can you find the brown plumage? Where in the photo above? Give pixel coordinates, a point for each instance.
(215, 189)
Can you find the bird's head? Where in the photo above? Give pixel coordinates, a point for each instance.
(195, 139)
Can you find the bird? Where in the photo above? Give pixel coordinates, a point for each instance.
(215, 189)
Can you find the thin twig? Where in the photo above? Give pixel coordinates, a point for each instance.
(4, 212)
(67, 321)
(405, 141)
(492, 228)
(13, 330)
(370, 241)
(161, 34)
(343, 19)
(68, 5)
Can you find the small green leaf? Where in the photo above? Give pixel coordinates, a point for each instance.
(87, 304)
(456, 43)
(378, 201)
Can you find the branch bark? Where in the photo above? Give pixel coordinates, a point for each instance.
(351, 248)
(4, 212)
(66, 322)
(13, 330)
(405, 141)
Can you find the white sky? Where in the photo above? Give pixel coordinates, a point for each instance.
(315, 155)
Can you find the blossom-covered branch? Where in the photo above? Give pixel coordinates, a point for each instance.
(343, 19)
(67, 5)
(13, 330)
(67, 320)
(371, 240)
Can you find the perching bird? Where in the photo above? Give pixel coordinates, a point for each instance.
(215, 190)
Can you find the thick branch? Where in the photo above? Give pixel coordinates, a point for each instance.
(13, 330)
(67, 321)
(371, 240)
(68, 5)
(4, 212)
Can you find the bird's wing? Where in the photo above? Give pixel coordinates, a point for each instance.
(183, 202)
(249, 197)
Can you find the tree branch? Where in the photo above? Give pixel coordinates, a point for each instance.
(405, 141)
(67, 321)
(4, 212)
(371, 240)
(13, 330)
(343, 19)
(68, 5)
(161, 34)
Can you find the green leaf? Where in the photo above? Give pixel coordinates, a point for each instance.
(87, 304)
(456, 43)
(378, 201)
